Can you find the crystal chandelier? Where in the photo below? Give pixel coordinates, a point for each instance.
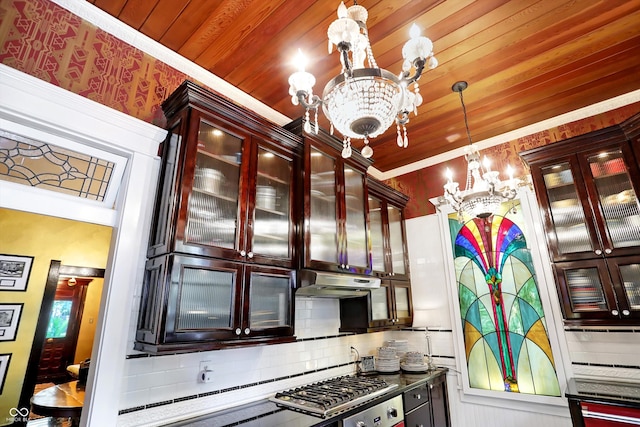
(362, 102)
(484, 192)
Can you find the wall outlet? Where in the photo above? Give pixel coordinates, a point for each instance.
(205, 374)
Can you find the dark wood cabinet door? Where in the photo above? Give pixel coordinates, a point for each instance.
(586, 290)
(439, 402)
(268, 302)
(625, 272)
(612, 180)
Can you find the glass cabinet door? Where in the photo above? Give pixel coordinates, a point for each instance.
(571, 231)
(618, 201)
(357, 253)
(202, 302)
(380, 306)
(396, 240)
(213, 202)
(323, 223)
(270, 300)
(272, 216)
(586, 289)
(401, 300)
(627, 281)
(376, 235)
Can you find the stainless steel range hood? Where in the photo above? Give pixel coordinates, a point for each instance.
(334, 285)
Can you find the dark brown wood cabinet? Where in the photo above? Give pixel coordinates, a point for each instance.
(587, 189)
(223, 244)
(426, 405)
(389, 254)
(390, 306)
(334, 230)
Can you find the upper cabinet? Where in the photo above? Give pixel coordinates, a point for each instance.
(223, 244)
(587, 188)
(227, 185)
(589, 196)
(334, 230)
(389, 255)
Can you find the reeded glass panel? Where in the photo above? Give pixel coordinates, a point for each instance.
(395, 240)
(357, 253)
(379, 304)
(323, 224)
(206, 298)
(402, 302)
(631, 282)
(566, 209)
(585, 290)
(376, 234)
(618, 201)
(213, 205)
(59, 319)
(270, 303)
(271, 226)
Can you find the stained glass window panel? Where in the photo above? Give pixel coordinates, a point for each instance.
(503, 321)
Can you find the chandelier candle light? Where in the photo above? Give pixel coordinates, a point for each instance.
(362, 102)
(484, 192)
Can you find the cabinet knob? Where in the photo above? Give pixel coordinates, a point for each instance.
(417, 396)
(250, 255)
(243, 253)
(247, 331)
(614, 312)
(598, 252)
(607, 251)
(626, 312)
(430, 386)
(238, 331)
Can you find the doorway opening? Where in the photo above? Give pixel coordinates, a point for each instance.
(64, 335)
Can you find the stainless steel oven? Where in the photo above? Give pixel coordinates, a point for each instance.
(389, 413)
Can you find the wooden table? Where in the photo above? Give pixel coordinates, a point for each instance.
(60, 401)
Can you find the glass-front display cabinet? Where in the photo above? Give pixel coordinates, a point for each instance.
(587, 188)
(223, 243)
(389, 255)
(335, 222)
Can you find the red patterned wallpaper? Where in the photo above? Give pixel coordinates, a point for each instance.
(44, 40)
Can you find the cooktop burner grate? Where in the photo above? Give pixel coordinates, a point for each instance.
(332, 396)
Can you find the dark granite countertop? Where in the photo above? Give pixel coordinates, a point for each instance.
(265, 412)
(620, 393)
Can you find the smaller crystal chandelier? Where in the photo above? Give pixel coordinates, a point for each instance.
(362, 102)
(484, 192)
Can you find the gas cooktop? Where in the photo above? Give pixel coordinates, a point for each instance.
(333, 396)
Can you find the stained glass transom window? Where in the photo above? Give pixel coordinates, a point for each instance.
(503, 322)
(37, 164)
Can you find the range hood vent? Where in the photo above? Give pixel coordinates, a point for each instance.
(335, 285)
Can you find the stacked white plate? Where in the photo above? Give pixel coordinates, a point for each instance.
(401, 346)
(387, 360)
(413, 362)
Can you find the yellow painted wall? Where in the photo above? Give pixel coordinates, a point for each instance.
(89, 318)
(45, 238)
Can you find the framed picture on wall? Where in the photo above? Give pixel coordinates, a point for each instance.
(14, 272)
(9, 320)
(4, 368)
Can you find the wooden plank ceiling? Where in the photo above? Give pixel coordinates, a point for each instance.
(525, 60)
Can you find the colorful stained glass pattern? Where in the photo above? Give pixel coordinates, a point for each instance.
(505, 333)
